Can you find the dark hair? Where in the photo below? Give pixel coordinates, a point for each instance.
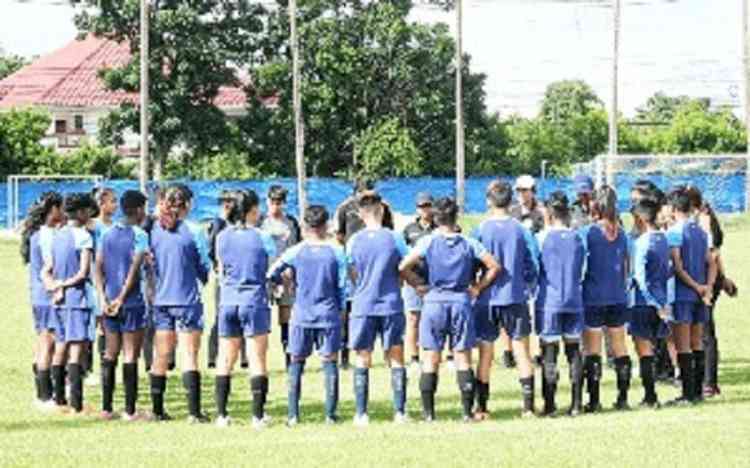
(446, 211)
(680, 200)
(369, 199)
(175, 195)
(131, 200)
(647, 210)
(244, 202)
(316, 216)
(694, 194)
(717, 234)
(77, 201)
(36, 218)
(362, 185)
(644, 187)
(500, 194)
(187, 194)
(605, 202)
(558, 205)
(277, 192)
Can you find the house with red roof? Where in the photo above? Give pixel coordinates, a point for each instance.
(66, 84)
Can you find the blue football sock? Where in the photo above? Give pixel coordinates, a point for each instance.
(331, 370)
(398, 383)
(361, 389)
(295, 388)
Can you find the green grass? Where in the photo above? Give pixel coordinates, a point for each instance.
(716, 432)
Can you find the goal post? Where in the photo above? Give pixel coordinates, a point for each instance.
(723, 178)
(20, 197)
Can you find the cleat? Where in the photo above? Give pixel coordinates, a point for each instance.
(528, 414)
(679, 402)
(646, 404)
(480, 416)
(223, 421)
(401, 418)
(200, 419)
(292, 422)
(45, 406)
(710, 391)
(332, 420)
(509, 362)
(468, 418)
(362, 420)
(136, 417)
(107, 415)
(428, 418)
(621, 406)
(262, 423)
(591, 409)
(164, 417)
(549, 411)
(573, 412)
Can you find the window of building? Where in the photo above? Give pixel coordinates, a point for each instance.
(61, 126)
(79, 122)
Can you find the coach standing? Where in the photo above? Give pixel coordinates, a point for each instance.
(581, 208)
(528, 210)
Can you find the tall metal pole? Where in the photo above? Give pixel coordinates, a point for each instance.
(746, 57)
(299, 130)
(460, 146)
(144, 96)
(614, 108)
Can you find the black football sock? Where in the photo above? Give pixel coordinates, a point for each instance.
(685, 361)
(37, 384)
(331, 376)
(593, 371)
(75, 374)
(623, 368)
(467, 387)
(527, 388)
(398, 385)
(294, 388)
(191, 380)
(699, 372)
(158, 386)
(101, 345)
(361, 389)
(647, 379)
(130, 381)
(427, 386)
(108, 384)
(549, 364)
(259, 388)
(483, 395)
(573, 353)
(58, 384)
(223, 386)
(45, 385)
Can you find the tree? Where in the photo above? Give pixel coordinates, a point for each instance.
(9, 64)
(695, 129)
(21, 132)
(566, 99)
(193, 44)
(362, 62)
(386, 149)
(661, 108)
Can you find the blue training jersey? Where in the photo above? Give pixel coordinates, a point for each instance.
(119, 246)
(606, 280)
(449, 260)
(693, 244)
(562, 269)
(180, 262)
(244, 255)
(375, 256)
(320, 274)
(652, 270)
(516, 250)
(68, 245)
(40, 251)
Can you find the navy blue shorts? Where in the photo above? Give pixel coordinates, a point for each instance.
(249, 321)
(553, 327)
(443, 319)
(363, 331)
(180, 318)
(412, 302)
(71, 324)
(44, 318)
(646, 324)
(690, 312)
(302, 340)
(611, 316)
(514, 318)
(128, 320)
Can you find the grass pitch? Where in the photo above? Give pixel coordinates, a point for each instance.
(715, 433)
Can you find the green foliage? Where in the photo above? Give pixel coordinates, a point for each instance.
(387, 150)
(21, 132)
(221, 166)
(568, 99)
(362, 62)
(9, 64)
(193, 44)
(662, 108)
(88, 159)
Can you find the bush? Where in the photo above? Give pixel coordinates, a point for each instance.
(21, 132)
(221, 166)
(89, 159)
(387, 149)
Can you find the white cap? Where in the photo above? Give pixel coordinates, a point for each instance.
(525, 182)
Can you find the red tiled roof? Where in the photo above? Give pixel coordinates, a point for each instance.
(69, 77)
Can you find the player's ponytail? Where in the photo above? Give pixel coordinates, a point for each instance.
(244, 201)
(558, 205)
(37, 217)
(605, 203)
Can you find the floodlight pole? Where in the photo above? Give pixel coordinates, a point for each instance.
(460, 145)
(144, 95)
(299, 130)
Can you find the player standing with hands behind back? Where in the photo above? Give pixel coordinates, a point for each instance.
(449, 258)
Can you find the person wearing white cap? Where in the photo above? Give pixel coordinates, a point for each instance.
(527, 210)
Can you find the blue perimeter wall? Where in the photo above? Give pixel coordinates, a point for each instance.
(725, 192)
